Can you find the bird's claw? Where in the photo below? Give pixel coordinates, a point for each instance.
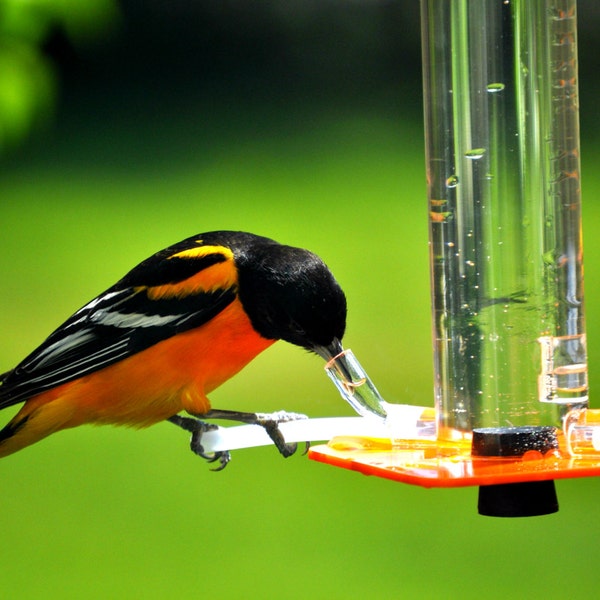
(272, 428)
(198, 428)
(271, 421)
(223, 457)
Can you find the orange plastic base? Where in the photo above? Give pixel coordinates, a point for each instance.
(429, 463)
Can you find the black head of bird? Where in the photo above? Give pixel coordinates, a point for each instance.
(288, 293)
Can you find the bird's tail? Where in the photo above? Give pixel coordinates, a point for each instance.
(38, 418)
(10, 438)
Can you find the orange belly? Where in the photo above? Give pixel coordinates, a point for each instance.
(171, 376)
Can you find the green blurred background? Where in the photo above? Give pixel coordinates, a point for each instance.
(128, 126)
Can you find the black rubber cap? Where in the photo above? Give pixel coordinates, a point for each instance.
(513, 441)
(527, 499)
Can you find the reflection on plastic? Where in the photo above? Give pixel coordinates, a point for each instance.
(563, 378)
(355, 386)
(402, 421)
(582, 433)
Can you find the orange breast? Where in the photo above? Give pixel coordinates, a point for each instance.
(171, 376)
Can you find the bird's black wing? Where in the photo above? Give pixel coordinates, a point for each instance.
(171, 292)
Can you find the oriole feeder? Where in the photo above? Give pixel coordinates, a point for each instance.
(510, 362)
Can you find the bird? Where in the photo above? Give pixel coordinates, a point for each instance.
(169, 332)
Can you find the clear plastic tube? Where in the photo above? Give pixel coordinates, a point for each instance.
(502, 145)
(402, 421)
(355, 386)
(582, 433)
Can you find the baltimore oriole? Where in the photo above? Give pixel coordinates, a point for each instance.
(169, 332)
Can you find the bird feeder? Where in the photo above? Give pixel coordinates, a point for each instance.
(510, 362)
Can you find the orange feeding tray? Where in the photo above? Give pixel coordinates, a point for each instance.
(429, 463)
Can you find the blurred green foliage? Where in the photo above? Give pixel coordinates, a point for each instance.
(28, 78)
(113, 513)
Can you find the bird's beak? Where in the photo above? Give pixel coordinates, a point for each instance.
(330, 351)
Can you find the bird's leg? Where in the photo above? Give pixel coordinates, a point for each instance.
(197, 428)
(268, 421)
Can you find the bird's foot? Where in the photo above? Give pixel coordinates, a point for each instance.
(268, 421)
(198, 428)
